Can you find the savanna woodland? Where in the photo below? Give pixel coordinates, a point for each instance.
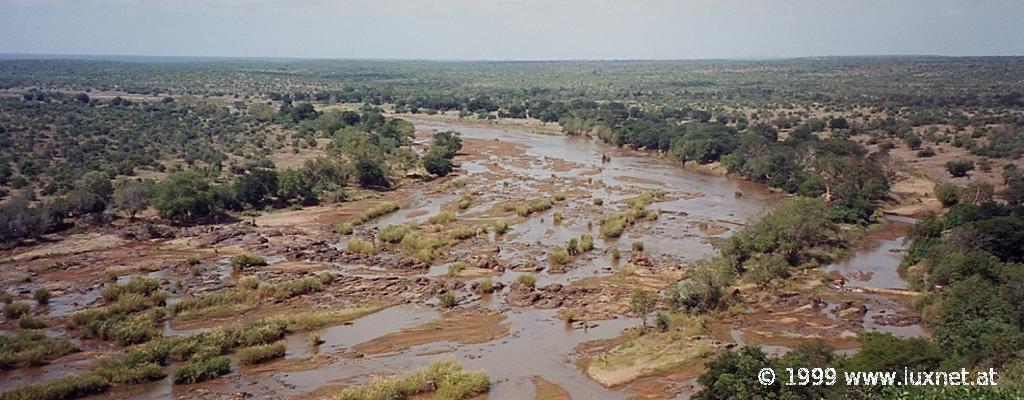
(218, 229)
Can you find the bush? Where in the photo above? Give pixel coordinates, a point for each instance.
(448, 300)
(296, 287)
(344, 228)
(28, 321)
(638, 246)
(500, 226)
(616, 254)
(528, 280)
(959, 168)
(485, 286)
(219, 304)
(261, 353)
(442, 217)
(201, 371)
(926, 152)
(16, 309)
(393, 233)
(586, 243)
(42, 296)
(947, 193)
(437, 165)
(70, 387)
(558, 256)
(248, 282)
(533, 206)
(31, 348)
(612, 227)
(244, 261)
(661, 322)
(456, 268)
(360, 246)
(448, 377)
(462, 232)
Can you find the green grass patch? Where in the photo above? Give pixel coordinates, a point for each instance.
(28, 348)
(528, 208)
(360, 246)
(379, 211)
(393, 233)
(424, 247)
(261, 353)
(442, 217)
(242, 262)
(215, 305)
(452, 382)
(296, 287)
(70, 387)
(201, 371)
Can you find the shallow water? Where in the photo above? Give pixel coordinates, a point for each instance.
(539, 344)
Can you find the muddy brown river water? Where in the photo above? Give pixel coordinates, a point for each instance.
(700, 207)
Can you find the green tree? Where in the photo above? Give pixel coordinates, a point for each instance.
(184, 196)
(641, 303)
(437, 164)
(959, 168)
(132, 196)
(293, 185)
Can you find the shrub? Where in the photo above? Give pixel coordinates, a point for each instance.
(393, 233)
(661, 322)
(485, 286)
(448, 300)
(296, 287)
(315, 339)
(344, 228)
(249, 282)
(959, 168)
(42, 296)
(456, 268)
(462, 232)
(448, 377)
(360, 246)
(16, 309)
(201, 371)
(558, 256)
(442, 217)
(70, 387)
(528, 280)
(137, 285)
(638, 246)
(533, 206)
(947, 193)
(598, 201)
(219, 304)
(926, 152)
(500, 226)
(612, 227)
(27, 321)
(557, 217)
(261, 353)
(423, 247)
(31, 348)
(586, 243)
(243, 261)
(616, 254)
(192, 261)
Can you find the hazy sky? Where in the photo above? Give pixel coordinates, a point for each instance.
(513, 29)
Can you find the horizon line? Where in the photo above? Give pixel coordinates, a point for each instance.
(21, 56)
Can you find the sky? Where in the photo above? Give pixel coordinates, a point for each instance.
(513, 29)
